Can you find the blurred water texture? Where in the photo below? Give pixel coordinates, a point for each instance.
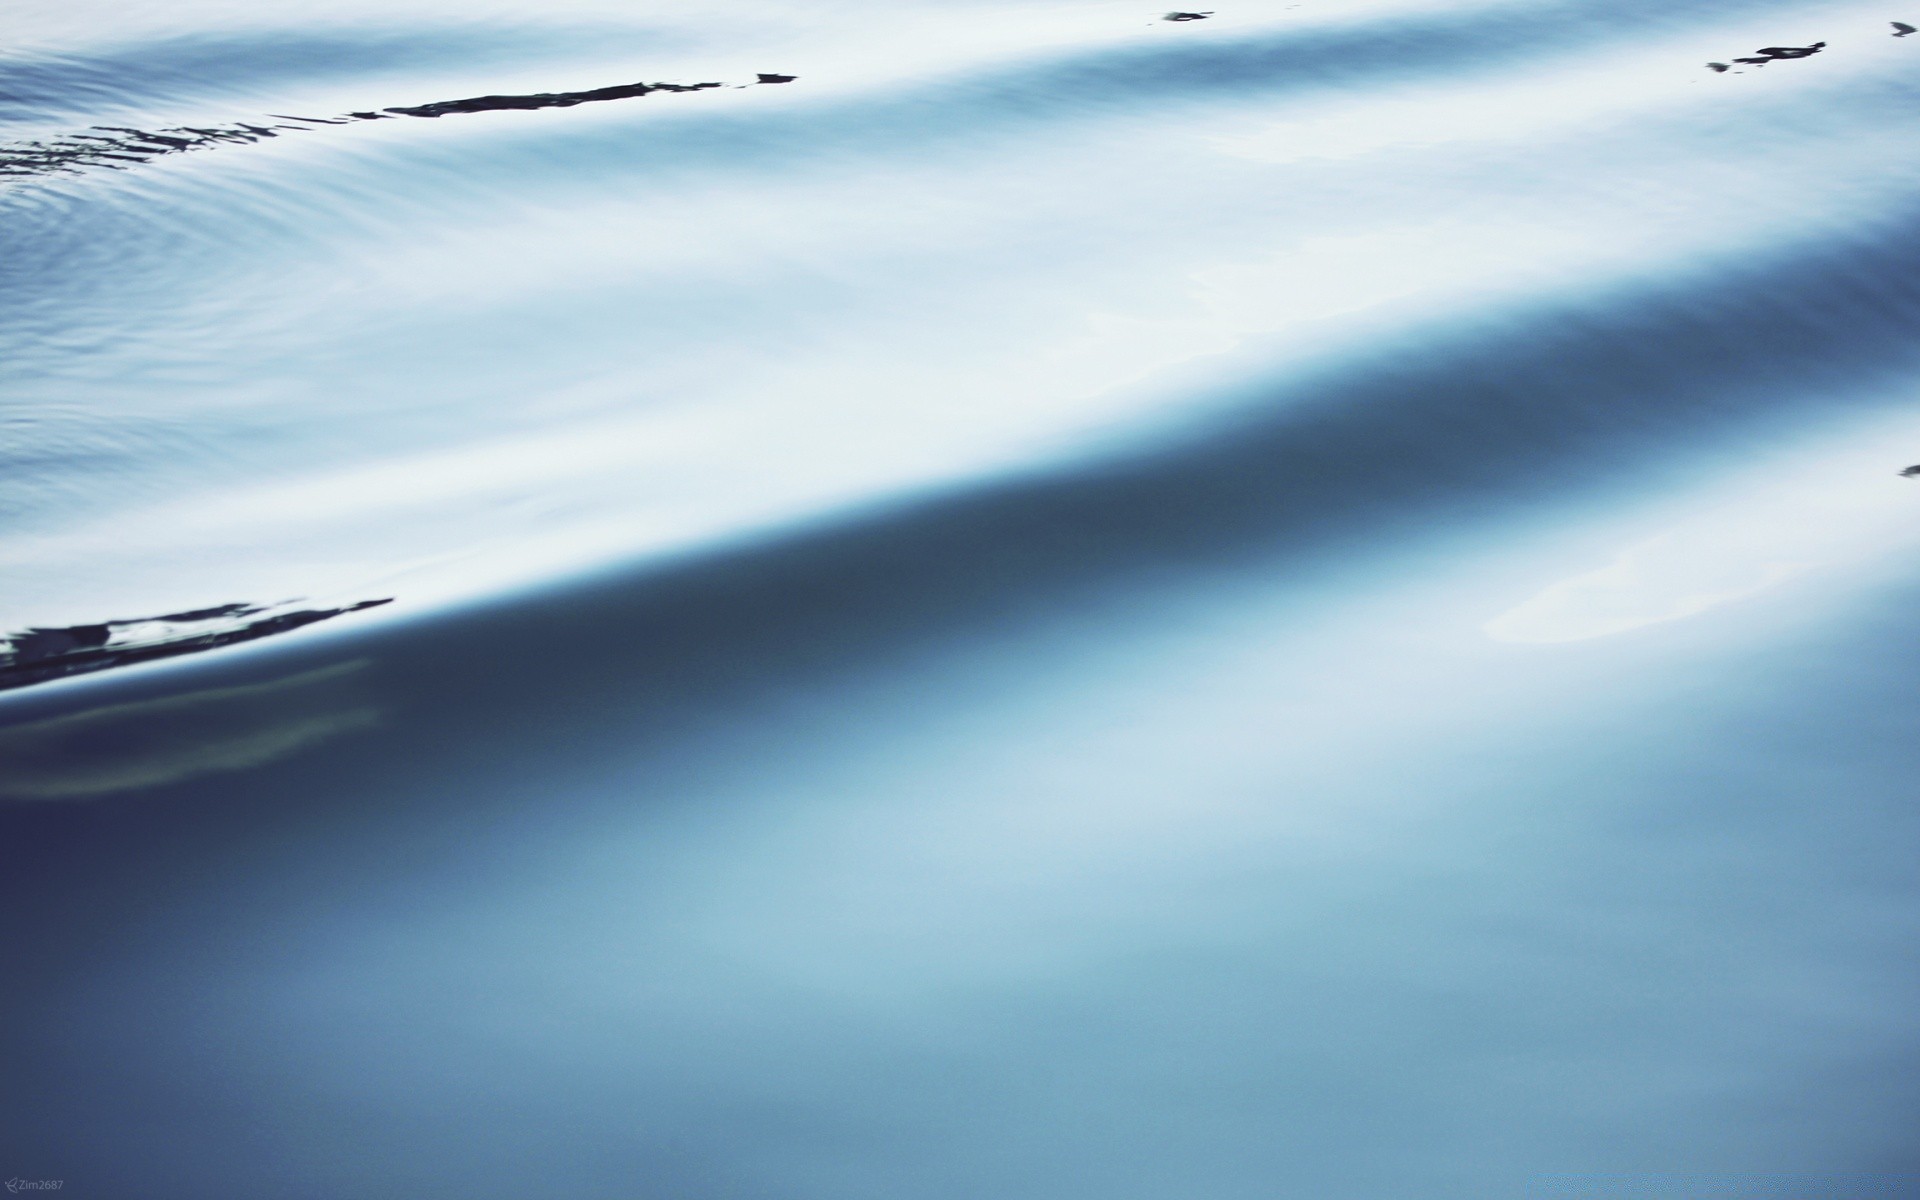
(1315, 602)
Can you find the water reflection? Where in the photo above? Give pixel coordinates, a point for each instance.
(1311, 602)
(151, 743)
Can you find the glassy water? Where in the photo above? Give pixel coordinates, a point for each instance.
(954, 599)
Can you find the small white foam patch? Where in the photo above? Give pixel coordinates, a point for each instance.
(1760, 533)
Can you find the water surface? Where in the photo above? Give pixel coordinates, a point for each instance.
(1026, 601)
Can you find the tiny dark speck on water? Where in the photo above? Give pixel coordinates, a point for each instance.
(1186, 16)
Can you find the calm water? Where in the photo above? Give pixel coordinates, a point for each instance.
(1313, 603)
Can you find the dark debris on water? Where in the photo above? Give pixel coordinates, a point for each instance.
(625, 91)
(1767, 54)
(116, 147)
(38, 655)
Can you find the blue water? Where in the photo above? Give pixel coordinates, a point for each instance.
(1312, 603)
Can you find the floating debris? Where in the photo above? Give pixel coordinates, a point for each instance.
(625, 91)
(40, 654)
(127, 147)
(1767, 54)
